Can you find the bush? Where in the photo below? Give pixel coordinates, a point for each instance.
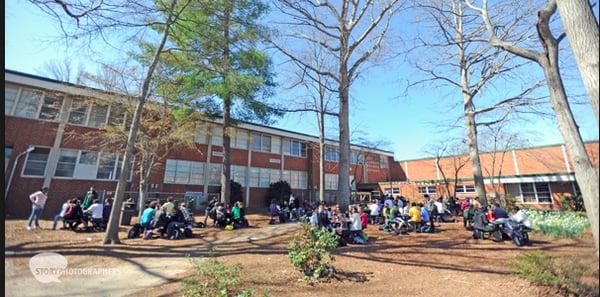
(542, 269)
(279, 191)
(214, 278)
(571, 203)
(310, 251)
(236, 192)
(558, 223)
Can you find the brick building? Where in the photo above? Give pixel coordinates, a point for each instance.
(40, 111)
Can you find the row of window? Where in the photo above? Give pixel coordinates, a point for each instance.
(75, 164)
(530, 192)
(34, 104)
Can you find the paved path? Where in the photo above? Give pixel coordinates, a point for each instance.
(132, 276)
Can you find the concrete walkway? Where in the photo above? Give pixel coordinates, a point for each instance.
(123, 279)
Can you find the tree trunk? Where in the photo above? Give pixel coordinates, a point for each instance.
(142, 196)
(226, 171)
(344, 122)
(322, 153)
(582, 29)
(585, 174)
(112, 229)
(474, 150)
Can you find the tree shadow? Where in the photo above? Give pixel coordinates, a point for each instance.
(349, 276)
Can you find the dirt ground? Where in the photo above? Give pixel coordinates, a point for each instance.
(446, 263)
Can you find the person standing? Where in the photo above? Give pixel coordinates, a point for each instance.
(38, 200)
(90, 196)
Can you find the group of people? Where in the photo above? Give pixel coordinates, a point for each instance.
(74, 211)
(399, 215)
(292, 210)
(170, 219)
(349, 225)
(223, 215)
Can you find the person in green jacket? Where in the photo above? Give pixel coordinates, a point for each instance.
(238, 214)
(90, 196)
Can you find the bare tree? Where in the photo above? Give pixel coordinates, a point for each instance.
(95, 20)
(581, 28)
(467, 63)
(585, 174)
(62, 71)
(350, 33)
(451, 156)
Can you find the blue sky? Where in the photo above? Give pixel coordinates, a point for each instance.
(410, 123)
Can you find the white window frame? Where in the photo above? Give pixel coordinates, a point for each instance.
(27, 159)
(303, 148)
(328, 152)
(427, 188)
(463, 189)
(537, 199)
(260, 136)
(14, 106)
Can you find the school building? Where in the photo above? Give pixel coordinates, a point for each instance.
(39, 112)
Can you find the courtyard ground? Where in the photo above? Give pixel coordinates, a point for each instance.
(447, 263)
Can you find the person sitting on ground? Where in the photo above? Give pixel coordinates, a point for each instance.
(221, 215)
(95, 210)
(238, 215)
(61, 215)
(74, 215)
(169, 206)
(489, 214)
(415, 216)
(314, 218)
(209, 208)
(499, 212)
(160, 220)
(425, 219)
(274, 210)
(148, 215)
(404, 211)
(364, 221)
(355, 222)
(188, 216)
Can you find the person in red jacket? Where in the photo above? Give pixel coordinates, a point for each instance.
(363, 218)
(489, 214)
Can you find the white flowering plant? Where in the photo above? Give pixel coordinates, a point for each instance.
(558, 223)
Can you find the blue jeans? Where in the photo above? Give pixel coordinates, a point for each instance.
(36, 213)
(57, 218)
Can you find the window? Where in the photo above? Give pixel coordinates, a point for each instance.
(184, 172)
(214, 174)
(7, 154)
(261, 142)
(27, 105)
(216, 136)
(116, 116)
(201, 134)
(78, 112)
(51, 108)
(106, 166)
(275, 145)
(241, 140)
(331, 181)
(238, 174)
(10, 97)
(531, 192)
(263, 177)
(296, 179)
(36, 162)
(357, 157)
(383, 162)
(66, 163)
(294, 148)
(465, 189)
(394, 191)
(98, 116)
(332, 154)
(427, 190)
(88, 158)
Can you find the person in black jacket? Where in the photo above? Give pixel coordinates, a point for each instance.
(74, 216)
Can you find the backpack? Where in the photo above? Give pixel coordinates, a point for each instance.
(187, 232)
(135, 231)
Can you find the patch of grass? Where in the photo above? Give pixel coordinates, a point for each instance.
(558, 223)
(215, 278)
(544, 270)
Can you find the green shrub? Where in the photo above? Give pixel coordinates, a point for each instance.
(542, 269)
(571, 203)
(558, 223)
(213, 278)
(279, 191)
(310, 251)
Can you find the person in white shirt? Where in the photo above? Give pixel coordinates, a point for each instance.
(355, 224)
(95, 209)
(521, 218)
(61, 215)
(38, 200)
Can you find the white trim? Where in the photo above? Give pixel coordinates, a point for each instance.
(514, 157)
(564, 153)
(534, 179)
